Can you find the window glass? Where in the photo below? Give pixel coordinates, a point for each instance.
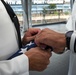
(43, 12)
(50, 11)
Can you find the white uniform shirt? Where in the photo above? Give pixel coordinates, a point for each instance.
(8, 46)
(71, 26)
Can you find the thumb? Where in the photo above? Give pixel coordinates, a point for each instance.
(30, 38)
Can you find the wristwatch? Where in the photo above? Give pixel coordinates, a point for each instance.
(68, 38)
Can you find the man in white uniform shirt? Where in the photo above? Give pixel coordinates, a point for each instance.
(59, 41)
(35, 59)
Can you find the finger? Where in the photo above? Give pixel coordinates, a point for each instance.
(30, 38)
(32, 31)
(48, 54)
(38, 42)
(42, 46)
(35, 31)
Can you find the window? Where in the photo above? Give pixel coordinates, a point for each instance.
(51, 14)
(43, 12)
(50, 11)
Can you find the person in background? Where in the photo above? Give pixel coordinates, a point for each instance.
(34, 59)
(60, 42)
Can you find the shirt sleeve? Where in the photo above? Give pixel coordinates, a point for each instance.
(16, 66)
(69, 24)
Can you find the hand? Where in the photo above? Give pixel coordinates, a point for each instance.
(38, 59)
(30, 35)
(51, 38)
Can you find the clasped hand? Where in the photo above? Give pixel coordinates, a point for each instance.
(38, 58)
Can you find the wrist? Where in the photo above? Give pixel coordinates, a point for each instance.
(63, 43)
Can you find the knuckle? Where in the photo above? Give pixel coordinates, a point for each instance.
(45, 29)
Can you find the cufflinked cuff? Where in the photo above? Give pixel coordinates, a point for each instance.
(73, 42)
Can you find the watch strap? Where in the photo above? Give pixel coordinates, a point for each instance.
(68, 38)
